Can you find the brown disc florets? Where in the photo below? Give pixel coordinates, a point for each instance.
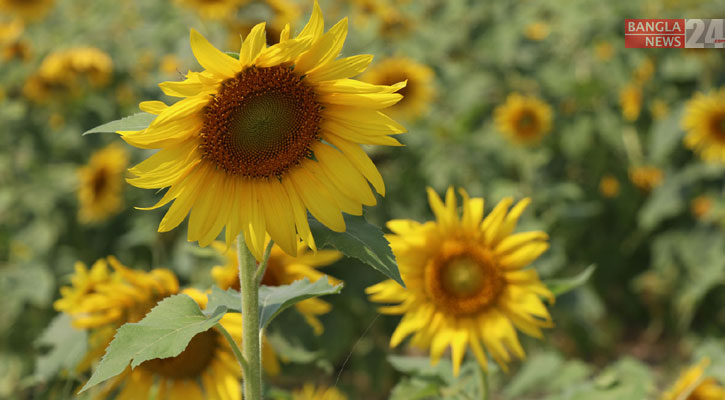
(261, 123)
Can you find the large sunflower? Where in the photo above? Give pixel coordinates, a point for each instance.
(101, 301)
(704, 121)
(258, 141)
(26, 9)
(693, 385)
(524, 119)
(283, 269)
(466, 281)
(101, 181)
(418, 91)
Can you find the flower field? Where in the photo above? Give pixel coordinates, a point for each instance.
(359, 199)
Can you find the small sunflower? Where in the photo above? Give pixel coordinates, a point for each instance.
(630, 99)
(646, 177)
(466, 281)
(609, 186)
(700, 206)
(524, 119)
(537, 31)
(418, 91)
(26, 9)
(604, 51)
(101, 181)
(704, 121)
(283, 269)
(692, 385)
(312, 392)
(214, 9)
(258, 141)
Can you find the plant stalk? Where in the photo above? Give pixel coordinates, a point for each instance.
(251, 339)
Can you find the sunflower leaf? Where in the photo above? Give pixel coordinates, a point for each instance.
(165, 332)
(273, 299)
(360, 240)
(66, 344)
(135, 122)
(564, 285)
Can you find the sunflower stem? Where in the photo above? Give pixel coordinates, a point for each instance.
(235, 348)
(262, 268)
(484, 384)
(251, 342)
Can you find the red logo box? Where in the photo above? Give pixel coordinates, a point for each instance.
(654, 33)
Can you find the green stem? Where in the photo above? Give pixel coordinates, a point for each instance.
(484, 385)
(251, 343)
(235, 348)
(262, 268)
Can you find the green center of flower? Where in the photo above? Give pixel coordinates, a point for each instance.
(191, 363)
(463, 278)
(261, 123)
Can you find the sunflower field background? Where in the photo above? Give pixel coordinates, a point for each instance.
(621, 151)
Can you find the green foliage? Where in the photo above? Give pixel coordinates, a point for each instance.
(435, 381)
(164, 332)
(360, 240)
(135, 122)
(561, 286)
(67, 346)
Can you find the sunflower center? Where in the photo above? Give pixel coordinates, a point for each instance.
(718, 126)
(261, 123)
(527, 123)
(463, 278)
(99, 182)
(191, 362)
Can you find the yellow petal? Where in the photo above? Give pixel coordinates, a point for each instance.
(317, 199)
(253, 44)
(341, 68)
(343, 174)
(357, 156)
(316, 25)
(211, 58)
(324, 50)
(278, 214)
(153, 107)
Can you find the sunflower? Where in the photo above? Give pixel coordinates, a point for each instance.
(26, 9)
(418, 91)
(604, 51)
(524, 119)
(214, 9)
(630, 98)
(537, 31)
(101, 301)
(609, 186)
(258, 141)
(704, 120)
(646, 177)
(466, 281)
(99, 192)
(692, 385)
(12, 46)
(283, 269)
(311, 392)
(700, 206)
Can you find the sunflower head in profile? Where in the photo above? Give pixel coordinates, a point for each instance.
(704, 121)
(523, 119)
(283, 269)
(312, 392)
(630, 99)
(694, 385)
(467, 281)
(26, 9)
(258, 141)
(101, 181)
(418, 91)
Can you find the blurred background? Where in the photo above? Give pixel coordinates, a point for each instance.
(611, 180)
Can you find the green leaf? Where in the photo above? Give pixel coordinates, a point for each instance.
(360, 240)
(561, 286)
(135, 122)
(67, 347)
(274, 299)
(164, 332)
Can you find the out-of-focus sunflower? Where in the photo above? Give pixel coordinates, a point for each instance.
(604, 51)
(466, 281)
(704, 120)
(101, 181)
(258, 141)
(101, 302)
(700, 206)
(646, 177)
(659, 109)
(26, 9)
(537, 31)
(644, 71)
(283, 269)
(312, 392)
(214, 9)
(630, 99)
(609, 186)
(12, 46)
(693, 385)
(418, 91)
(523, 119)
